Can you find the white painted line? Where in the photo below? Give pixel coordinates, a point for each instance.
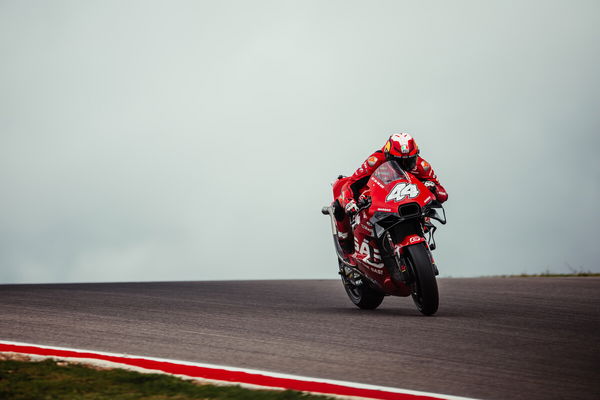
(229, 375)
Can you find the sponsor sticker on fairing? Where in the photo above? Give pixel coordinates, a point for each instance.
(378, 183)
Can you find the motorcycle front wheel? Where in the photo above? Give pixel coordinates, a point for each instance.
(424, 288)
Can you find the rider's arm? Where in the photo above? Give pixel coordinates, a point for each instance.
(361, 176)
(424, 172)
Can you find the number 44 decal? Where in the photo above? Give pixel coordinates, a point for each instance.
(402, 191)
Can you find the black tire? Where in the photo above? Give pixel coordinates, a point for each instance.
(363, 296)
(424, 288)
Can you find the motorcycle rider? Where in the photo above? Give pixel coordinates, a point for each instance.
(400, 147)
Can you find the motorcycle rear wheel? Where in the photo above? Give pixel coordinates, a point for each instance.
(424, 289)
(362, 295)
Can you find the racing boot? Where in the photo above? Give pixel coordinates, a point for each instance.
(347, 246)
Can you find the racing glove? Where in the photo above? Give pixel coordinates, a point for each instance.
(351, 208)
(431, 186)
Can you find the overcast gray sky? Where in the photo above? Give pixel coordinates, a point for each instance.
(194, 140)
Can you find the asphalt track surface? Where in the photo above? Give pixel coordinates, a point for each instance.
(492, 338)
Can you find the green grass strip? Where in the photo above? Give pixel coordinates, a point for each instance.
(46, 380)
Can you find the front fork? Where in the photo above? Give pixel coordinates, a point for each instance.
(395, 260)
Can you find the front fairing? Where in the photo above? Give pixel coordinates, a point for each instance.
(396, 195)
(391, 187)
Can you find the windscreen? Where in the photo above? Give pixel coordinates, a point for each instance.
(388, 172)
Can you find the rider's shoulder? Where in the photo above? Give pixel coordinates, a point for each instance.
(423, 165)
(375, 159)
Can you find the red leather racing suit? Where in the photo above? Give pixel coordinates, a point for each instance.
(352, 185)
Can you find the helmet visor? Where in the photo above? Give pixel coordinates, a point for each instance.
(406, 163)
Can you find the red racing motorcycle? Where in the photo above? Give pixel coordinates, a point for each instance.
(393, 239)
